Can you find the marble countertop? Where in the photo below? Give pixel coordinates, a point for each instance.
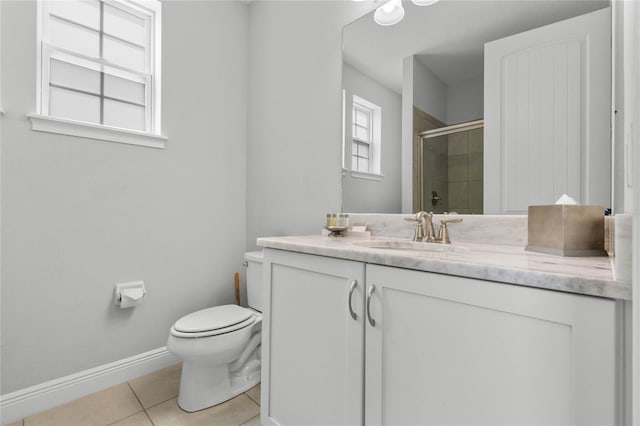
(591, 276)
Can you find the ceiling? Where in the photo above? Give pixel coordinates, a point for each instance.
(449, 36)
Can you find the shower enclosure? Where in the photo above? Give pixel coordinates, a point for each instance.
(450, 169)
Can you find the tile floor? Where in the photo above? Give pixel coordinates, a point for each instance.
(146, 401)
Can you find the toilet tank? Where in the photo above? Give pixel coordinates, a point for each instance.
(253, 262)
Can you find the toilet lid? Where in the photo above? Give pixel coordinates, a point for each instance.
(214, 318)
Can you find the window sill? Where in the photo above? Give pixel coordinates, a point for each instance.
(368, 176)
(42, 123)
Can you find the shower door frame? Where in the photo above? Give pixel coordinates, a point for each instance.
(418, 164)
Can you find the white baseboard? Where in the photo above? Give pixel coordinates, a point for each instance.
(25, 402)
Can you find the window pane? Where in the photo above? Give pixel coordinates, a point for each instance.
(120, 88)
(126, 116)
(361, 118)
(73, 105)
(362, 133)
(85, 12)
(74, 38)
(74, 76)
(359, 164)
(124, 54)
(363, 150)
(124, 25)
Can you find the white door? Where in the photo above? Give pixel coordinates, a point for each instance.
(547, 115)
(448, 350)
(312, 370)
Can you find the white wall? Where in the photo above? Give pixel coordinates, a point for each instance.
(429, 92)
(465, 100)
(363, 195)
(631, 126)
(79, 216)
(294, 142)
(622, 19)
(421, 88)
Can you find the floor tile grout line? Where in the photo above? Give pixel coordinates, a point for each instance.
(141, 404)
(247, 421)
(249, 396)
(124, 418)
(145, 409)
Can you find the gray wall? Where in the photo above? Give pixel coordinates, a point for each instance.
(79, 216)
(465, 100)
(363, 195)
(430, 93)
(294, 142)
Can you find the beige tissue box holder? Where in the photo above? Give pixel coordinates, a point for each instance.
(566, 230)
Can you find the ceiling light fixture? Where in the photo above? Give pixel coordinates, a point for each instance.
(424, 2)
(390, 13)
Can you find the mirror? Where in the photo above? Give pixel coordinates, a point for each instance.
(423, 73)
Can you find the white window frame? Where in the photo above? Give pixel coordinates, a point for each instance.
(151, 11)
(375, 143)
(356, 156)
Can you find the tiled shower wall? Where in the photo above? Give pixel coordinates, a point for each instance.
(465, 152)
(453, 168)
(435, 163)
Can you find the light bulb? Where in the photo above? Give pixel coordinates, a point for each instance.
(424, 2)
(390, 13)
(388, 7)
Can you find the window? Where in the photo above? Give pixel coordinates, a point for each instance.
(366, 140)
(362, 137)
(100, 64)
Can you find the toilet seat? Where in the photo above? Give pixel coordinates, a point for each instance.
(213, 321)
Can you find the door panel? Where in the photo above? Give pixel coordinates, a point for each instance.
(313, 361)
(452, 350)
(547, 115)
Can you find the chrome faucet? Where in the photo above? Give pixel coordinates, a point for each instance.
(421, 234)
(443, 232)
(425, 220)
(430, 236)
(418, 234)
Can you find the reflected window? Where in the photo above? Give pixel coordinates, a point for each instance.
(366, 141)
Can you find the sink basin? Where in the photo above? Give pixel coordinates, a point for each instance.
(409, 245)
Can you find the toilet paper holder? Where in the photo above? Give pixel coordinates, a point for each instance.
(129, 295)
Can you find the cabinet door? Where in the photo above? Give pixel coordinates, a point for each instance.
(548, 115)
(313, 349)
(452, 350)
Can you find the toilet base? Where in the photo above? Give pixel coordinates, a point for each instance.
(203, 386)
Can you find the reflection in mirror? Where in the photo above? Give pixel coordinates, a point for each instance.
(427, 72)
(450, 174)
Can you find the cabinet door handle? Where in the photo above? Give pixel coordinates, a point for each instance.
(354, 284)
(369, 294)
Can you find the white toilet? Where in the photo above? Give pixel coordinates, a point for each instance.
(220, 347)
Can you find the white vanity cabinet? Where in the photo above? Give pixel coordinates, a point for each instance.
(431, 349)
(453, 350)
(313, 349)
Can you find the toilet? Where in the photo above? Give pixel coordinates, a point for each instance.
(220, 347)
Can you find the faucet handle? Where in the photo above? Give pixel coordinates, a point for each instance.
(443, 233)
(418, 234)
(456, 220)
